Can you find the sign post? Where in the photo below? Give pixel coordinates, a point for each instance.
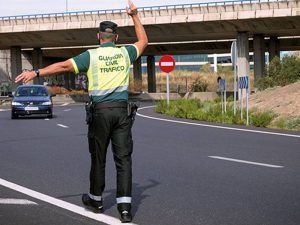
(222, 88)
(168, 88)
(167, 64)
(234, 63)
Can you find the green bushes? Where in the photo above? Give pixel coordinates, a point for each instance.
(261, 119)
(199, 85)
(265, 82)
(212, 112)
(280, 73)
(288, 123)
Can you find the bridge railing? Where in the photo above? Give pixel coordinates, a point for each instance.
(148, 8)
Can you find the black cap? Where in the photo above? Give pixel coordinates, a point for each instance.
(108, 26)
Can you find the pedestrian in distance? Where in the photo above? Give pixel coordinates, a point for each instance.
(107, 69)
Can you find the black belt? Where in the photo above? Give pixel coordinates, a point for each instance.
(110, 105)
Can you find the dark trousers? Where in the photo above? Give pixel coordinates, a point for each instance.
(111, 124)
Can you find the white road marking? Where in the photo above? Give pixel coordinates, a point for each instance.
(14, 201)
(214, 126)
(4, 110)
(62, 204)
(61, 125)
(47, 119)
(65, 104)
(67, 110)
(246, 162)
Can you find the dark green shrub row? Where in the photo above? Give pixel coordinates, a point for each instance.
(280, 73)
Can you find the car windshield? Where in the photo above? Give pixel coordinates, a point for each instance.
(31, 91)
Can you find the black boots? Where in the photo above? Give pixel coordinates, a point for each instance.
(95, 206)
(125, 212)
(126, 217)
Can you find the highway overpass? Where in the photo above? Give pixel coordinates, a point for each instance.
(258, 25)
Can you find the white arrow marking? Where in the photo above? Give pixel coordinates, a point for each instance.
(14, 201)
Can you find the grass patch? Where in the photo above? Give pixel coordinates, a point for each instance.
(212, 112)
(288, 123)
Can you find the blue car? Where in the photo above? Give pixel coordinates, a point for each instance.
(31, 100)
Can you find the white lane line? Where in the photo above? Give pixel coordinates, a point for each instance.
(4, 110)
(47, 119)
(214, 126)
(61, 125)
(62, 204)
(65, 104)
(246, 162)
(14, 201)
(67, 110)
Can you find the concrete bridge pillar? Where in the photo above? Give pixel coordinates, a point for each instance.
(137, 75)
(37, 63)
(273, 48)
(16, 65)
(67, 81)
(259, 56)
(151, 74)
(4, 65)
(243, 57)
(72, 80)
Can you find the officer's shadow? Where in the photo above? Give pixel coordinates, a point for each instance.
(138, 195)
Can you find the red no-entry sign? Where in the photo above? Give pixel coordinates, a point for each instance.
(167, 63)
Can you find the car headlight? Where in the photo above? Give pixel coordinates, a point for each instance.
(47, 103)
(16, 103)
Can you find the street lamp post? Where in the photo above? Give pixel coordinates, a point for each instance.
(66, 5)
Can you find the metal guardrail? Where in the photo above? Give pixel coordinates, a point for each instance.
(148, 8)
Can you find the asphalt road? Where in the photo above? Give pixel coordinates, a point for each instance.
(184, 174)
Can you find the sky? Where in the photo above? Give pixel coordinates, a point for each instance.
(27, 7)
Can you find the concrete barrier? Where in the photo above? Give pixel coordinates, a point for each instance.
(203, 96)
(81, 98)
(63, 98)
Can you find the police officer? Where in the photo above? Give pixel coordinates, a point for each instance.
(107, 70)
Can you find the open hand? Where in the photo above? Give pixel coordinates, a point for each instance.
(25, 76)
(131, 9)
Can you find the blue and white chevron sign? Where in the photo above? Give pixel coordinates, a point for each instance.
(243, 82)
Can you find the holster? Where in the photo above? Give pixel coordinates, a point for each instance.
(89, 111)
(132, 109)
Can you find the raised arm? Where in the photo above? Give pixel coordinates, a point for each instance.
(139, 28)
(60, 67)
